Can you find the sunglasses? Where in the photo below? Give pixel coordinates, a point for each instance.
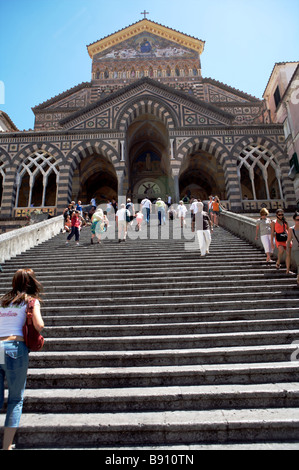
(280, 215)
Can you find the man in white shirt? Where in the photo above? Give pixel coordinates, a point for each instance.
(182, 211)
(121, 219)
(146, 207)
(193, 210)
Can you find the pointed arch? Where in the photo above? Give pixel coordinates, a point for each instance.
(146, 105)
(256, 157)
(222, 156)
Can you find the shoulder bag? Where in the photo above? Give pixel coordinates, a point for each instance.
(282, 237)
(32, 338)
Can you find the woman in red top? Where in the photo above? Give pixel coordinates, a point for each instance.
(280, 230)
(76, 222)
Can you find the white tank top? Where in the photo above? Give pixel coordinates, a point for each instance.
(12, 320)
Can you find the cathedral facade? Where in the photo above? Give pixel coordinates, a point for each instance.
(148, 123)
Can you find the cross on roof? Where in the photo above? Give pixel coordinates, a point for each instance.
(144, 13)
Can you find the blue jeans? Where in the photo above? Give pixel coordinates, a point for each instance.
(14, 360)
(147, 214)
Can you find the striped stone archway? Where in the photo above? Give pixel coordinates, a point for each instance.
(146, 105)
(73, 159)
(223, 157)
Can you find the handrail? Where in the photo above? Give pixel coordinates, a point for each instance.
(17, 241)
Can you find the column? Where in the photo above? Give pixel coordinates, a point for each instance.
(122, 150)
(175, 175)
(233, 187)
(171, 149)
(8, 195)
(120, 179)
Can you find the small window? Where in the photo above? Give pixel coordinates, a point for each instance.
(277, 97)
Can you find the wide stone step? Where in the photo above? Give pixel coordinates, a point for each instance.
(157, 376)
(162, 398)
(188, 284)
(171, 306)
(180, 427)
(173, 357)
(178, 317)
(177, 297)
(171, 328)
(175, 278)
(130, 343)
(165, 253)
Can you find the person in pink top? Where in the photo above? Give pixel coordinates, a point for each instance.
(76, 223)
(139, 219)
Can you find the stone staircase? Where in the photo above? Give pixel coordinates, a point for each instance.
(149, 345)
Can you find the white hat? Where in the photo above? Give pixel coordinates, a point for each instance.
(200, 206)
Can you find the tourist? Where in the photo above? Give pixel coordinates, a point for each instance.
(146, 207)
(97, 225)
(168, 201)
(75, 231)
(161, 208)
(203, 229)
(79, 208)
(293, 240)
(131, 208)
(210, 207)
(181, 213)
(106, 221)
(279, 231)
(68, 224)
(14, 364)
(139, 219)
(114, 205)
(193, 210)
(122, 219)
(263, 226)
(68, 211)
(216, 211)
(109, 208)
(171, 213)
(186, 199)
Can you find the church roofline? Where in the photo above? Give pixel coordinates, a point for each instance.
(8, 120)
(60, 96)
(147, 80)
(149, 26)
(231, 89)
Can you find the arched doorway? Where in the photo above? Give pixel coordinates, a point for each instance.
(148, 158)
(94, 177)
(201, 176)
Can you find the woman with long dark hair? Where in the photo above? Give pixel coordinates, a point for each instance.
(13, 351)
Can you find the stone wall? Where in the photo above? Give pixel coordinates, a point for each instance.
(244, 227)
(20, 240)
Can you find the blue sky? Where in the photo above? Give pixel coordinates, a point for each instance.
(43, 42)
